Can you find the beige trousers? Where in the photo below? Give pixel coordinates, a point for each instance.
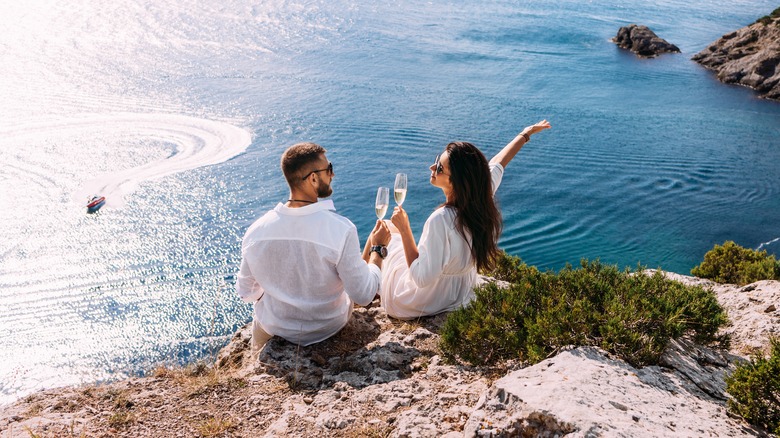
(259, 336)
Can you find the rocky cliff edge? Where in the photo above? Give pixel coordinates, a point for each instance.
(382, 377)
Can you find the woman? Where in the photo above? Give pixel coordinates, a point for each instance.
(459, 237)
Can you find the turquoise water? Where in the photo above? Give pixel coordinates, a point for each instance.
(649, 161)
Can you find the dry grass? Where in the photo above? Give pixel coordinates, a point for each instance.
(31, 433)
(215, 426)
(69, 433)
(34, 410)
(407, 326)
(370, 431)
(121, 418)
(65, 405)
(199, 378)
(121, 406)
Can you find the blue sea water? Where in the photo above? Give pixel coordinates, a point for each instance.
(649, 161)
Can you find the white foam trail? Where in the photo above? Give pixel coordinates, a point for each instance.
(197, 142)
(767, 243)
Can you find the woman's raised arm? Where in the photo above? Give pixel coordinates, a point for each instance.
(513, 147)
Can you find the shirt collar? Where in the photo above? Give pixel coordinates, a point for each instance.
(303, 211)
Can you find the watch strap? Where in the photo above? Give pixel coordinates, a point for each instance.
(379, 249)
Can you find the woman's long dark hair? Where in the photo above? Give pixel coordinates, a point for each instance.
(476, 210)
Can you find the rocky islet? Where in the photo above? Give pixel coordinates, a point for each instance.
(643, 41)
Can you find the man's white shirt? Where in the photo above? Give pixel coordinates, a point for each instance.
(303, 268)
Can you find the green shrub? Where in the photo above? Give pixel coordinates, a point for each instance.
(768, 19)
(755, 388)
(734, 264)
(511, 269)
(630, 315)
(765, 20)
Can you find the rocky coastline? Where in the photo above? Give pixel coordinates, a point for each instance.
(749, 56)
(383, 377)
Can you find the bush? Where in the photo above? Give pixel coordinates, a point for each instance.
(768, 19)
(755, 388)
(734, 264)
(630, 315)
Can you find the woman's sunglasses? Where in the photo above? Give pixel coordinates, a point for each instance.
(437, 165)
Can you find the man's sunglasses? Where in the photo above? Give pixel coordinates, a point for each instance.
(329, 169)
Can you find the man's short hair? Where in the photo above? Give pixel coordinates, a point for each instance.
(296, 158)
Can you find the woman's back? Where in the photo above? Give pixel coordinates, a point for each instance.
(442, 277)
(444, 274)
(440, 273)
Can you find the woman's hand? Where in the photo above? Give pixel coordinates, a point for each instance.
(513, 147)
(537, 127)
(401, 220)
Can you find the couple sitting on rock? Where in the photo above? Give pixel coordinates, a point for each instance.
(303, 269)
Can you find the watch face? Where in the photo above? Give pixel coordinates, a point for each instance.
(383, 251)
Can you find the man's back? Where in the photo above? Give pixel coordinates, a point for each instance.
(305, 262)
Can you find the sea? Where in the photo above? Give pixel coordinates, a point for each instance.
(178, 111)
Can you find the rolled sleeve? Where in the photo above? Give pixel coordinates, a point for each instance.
(248, 289)
(361, 280)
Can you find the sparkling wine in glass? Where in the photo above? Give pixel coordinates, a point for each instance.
(400, 188)
(382, 201)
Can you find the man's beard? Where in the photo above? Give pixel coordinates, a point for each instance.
(323, 191)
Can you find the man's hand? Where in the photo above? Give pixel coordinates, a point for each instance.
(380, 235)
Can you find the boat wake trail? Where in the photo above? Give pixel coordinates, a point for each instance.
(197, 143)
(194, 142)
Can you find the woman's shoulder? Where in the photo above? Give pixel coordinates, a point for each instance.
(442, 216)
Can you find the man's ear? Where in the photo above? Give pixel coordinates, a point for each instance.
(312, 180)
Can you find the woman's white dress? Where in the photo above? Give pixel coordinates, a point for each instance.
(443, 276)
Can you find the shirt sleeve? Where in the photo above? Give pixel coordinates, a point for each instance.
(361, 280)
(247, 287)
(433, 250)
(496, 175)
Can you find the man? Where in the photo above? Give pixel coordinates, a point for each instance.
(301, 262)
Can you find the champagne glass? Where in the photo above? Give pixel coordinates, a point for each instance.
(382, 201)
(400, 188)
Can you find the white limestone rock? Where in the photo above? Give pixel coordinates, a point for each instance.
(582, 392)
(752, 311)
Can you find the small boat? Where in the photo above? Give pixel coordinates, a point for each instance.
(95, 203)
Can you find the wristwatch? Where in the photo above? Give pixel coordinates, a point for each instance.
(380, 249)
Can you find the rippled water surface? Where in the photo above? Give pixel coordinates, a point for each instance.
(178, 113)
